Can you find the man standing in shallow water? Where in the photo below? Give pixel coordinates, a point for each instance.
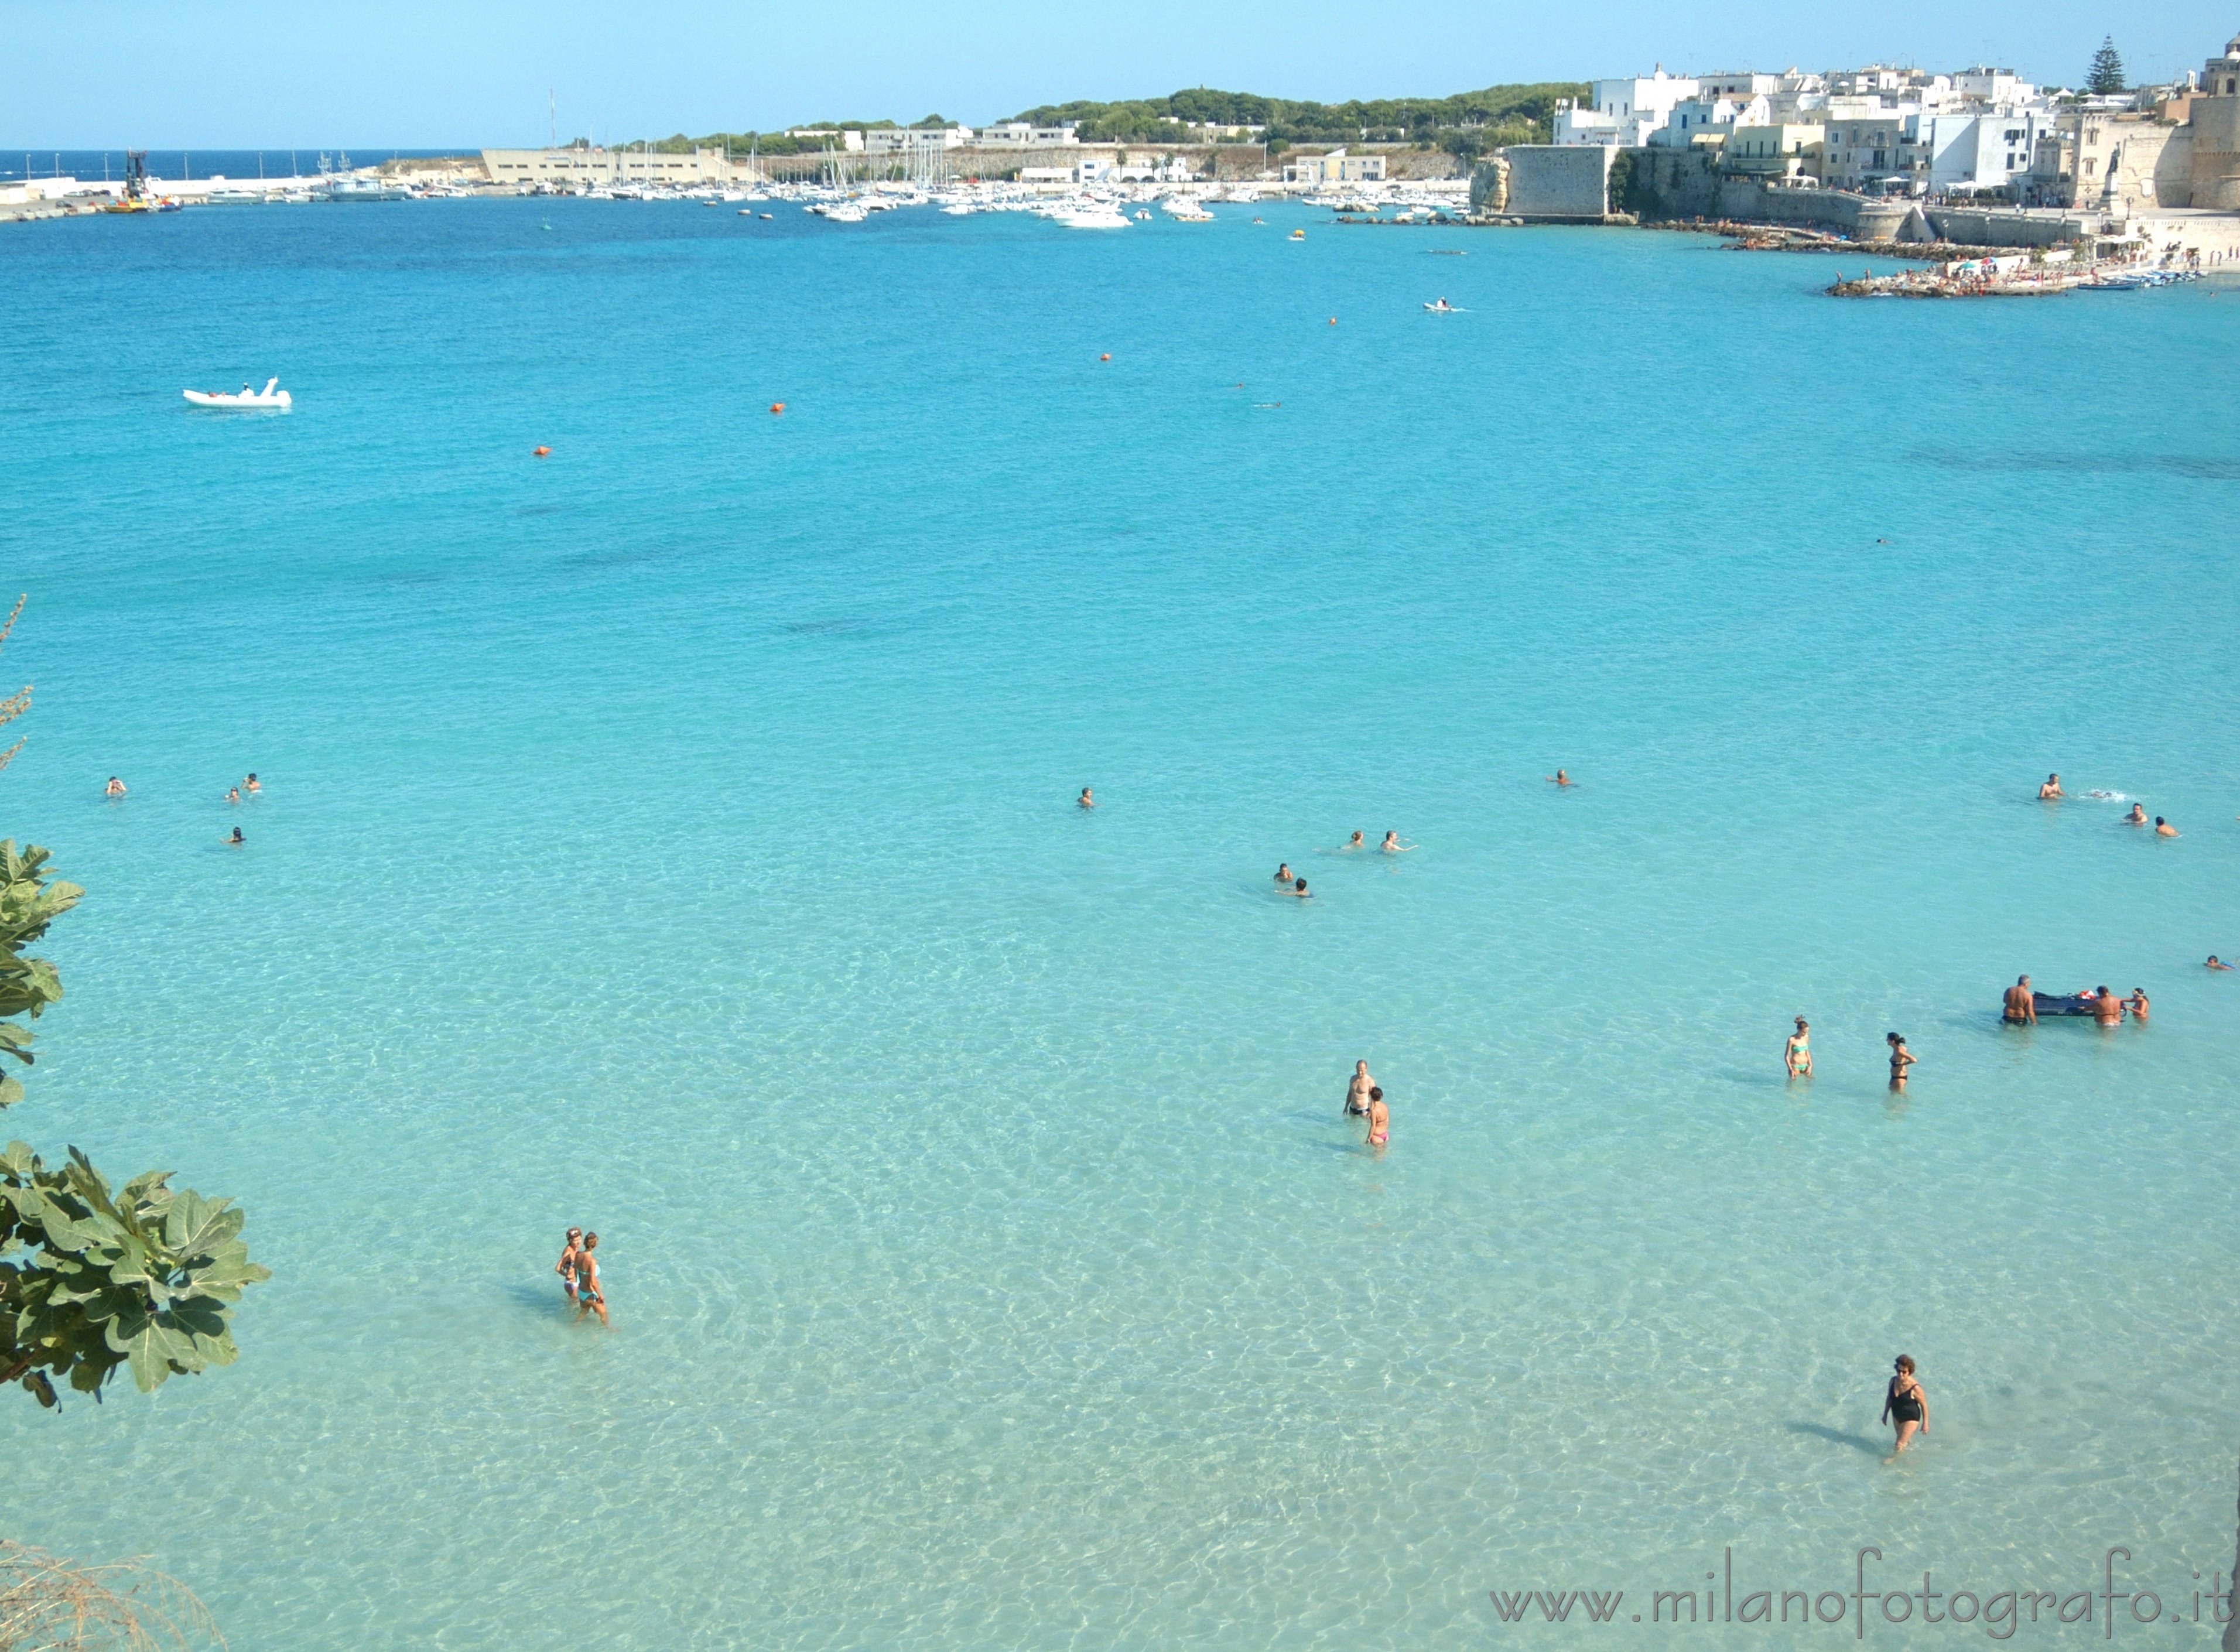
(2021, 1008)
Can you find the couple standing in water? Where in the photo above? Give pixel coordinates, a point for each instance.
(579, 1274)
(1364, 1099)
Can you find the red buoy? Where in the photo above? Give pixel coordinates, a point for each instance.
(778, 407)
(541, 452)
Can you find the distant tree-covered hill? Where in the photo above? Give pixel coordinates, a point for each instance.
(1466, 124)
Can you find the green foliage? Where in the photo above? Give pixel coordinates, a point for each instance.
(27, 904)
(1480, 120)
(145, 1277)
(2105, 78)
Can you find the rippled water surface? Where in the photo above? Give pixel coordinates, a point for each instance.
(674, 835)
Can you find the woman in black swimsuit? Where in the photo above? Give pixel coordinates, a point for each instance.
(1905, 1407)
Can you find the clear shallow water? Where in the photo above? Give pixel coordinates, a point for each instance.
(674, 836)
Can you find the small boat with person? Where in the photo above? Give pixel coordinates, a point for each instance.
(1440, 306)
(271, 397)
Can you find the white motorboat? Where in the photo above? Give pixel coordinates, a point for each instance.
(1443, 307)
(1183, 206)
(271, 397)
(1093, 216)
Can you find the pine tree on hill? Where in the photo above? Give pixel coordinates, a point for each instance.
(2105, 79)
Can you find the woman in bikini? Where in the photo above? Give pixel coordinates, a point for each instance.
(1901, 1059)
(588, 1294)
(1797, 1053)
(1380, 1122)
(566, 1266)
(1905, 1408)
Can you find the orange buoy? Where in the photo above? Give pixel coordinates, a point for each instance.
(778, 407)
(1106, 356)
(541, 452)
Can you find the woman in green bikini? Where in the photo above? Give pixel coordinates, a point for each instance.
(1798, 1052)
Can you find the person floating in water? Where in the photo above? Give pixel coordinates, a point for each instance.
(1901, 1058)
(2021, 1007)
(250, 784)
(2137, 817)
(2050, 789)
(1392, 845)
(1298, 889)
(1559, 778)
(237, 840)
(233, 794)
(2216, 962)
(1086, 801)
(588, 1297)
(2107, 1008)
(1905, 1408)
(1796, 1053)
(1283, 873)
(2163, 829)
(1380, 1121)
(2137, 1004)
(1352, 843)
(1357, 1088)
(114, 789)
(566, 1266)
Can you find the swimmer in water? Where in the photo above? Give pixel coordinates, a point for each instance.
(1901, 1058)
(1559, 778)
(233, 794)
(2050, 789)
(1352, 843)
(2137, 817)
(1283, 873)
(566, 1266)
(2107, 1008)
(2163, 829)
(1298, 889)
(1086, 801)
(237, 840)
(1905, 1408)
(1380, 1122)
(2021, 1007)
(1392, 845)
(2216, 962)
(2137, 1004)
(114, 789)
(1357, 1088)
(588, 1297)
(250, 784)
(1796, 1053)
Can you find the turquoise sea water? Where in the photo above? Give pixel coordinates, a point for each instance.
(675, 836)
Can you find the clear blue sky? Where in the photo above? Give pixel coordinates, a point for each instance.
(223, 74)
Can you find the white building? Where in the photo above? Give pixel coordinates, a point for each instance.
(1696, 118)
(1978, 151)
(582, 168)
(1744, 84)
(910, 140)
(847, 140)
(1625, 111)
(1336, 167)
(1023, 134)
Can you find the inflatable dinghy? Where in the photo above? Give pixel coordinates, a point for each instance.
(2046, 1004)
